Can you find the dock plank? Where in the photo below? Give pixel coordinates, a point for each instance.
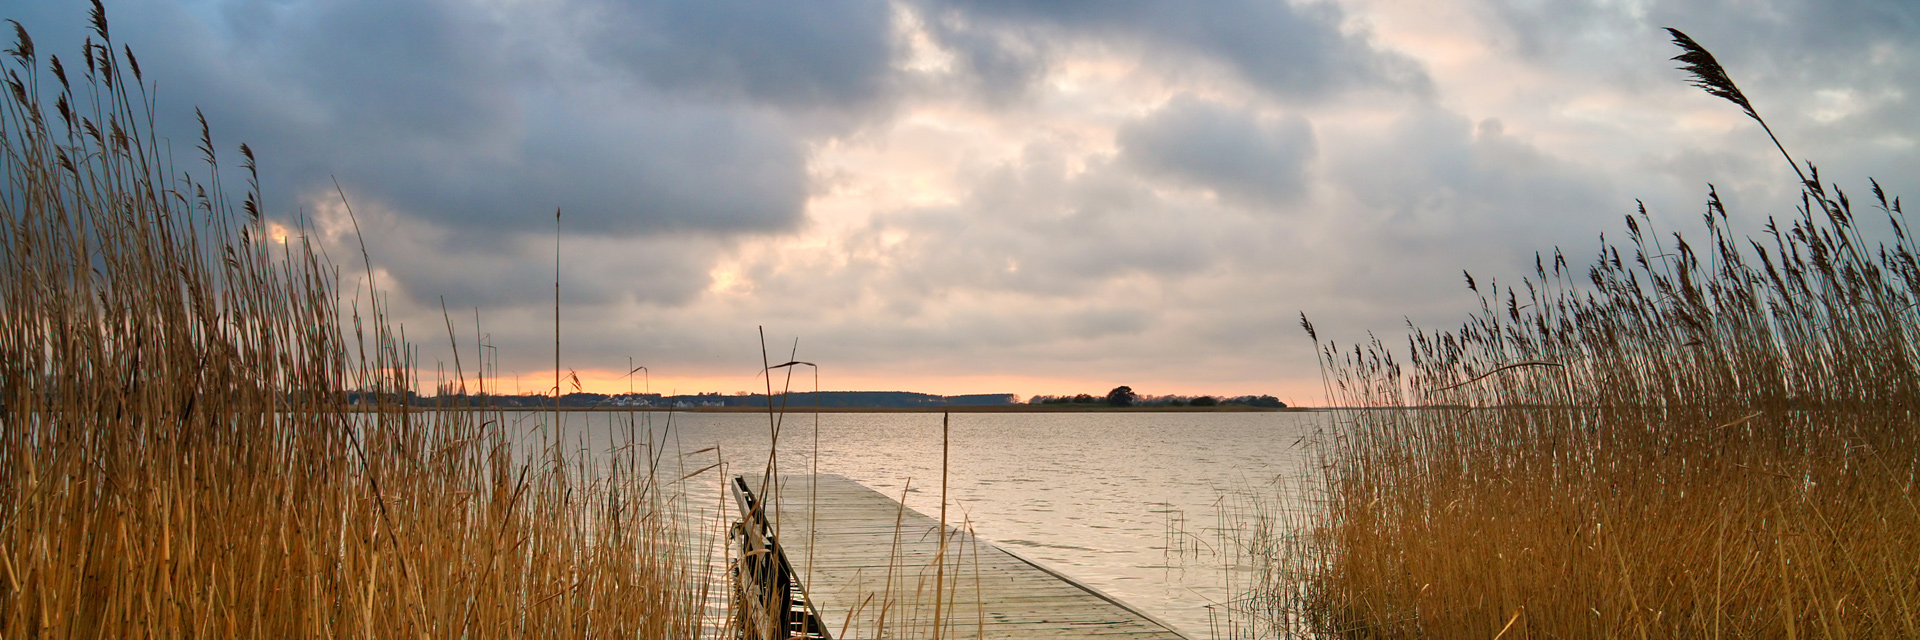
(868, 565)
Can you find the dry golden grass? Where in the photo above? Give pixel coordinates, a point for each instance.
(1691, 442)
(180, 454)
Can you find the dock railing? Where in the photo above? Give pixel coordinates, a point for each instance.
(769, 601)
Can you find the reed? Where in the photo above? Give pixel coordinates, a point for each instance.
(1696, 437)
(197, 440)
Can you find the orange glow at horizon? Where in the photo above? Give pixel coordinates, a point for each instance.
(1301, 392)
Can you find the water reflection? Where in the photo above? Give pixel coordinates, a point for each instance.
(1130, 503)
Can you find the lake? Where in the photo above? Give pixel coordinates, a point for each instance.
(1129, 503)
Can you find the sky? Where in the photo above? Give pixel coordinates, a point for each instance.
(988, 196)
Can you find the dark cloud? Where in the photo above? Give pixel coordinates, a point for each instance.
(1291, 49)
(1433, 193)
(426, 262)
(465, 116)
(426, 73)
(999, 63)
(1787, 30)
(1255, 162)
(617, 168)
(1433, 178)
(834, 53)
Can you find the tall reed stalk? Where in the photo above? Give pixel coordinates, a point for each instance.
(193, 445)
(1706, 437)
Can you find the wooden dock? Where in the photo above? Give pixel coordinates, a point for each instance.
(869, 567)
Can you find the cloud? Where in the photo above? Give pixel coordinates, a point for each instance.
(1256, 162)
(1296, 50)
(1765, 28)
(832, 53)
(1038, 226)
(617, 165)
(428, 261)
(466, 116)
(935, 189)
(1434, 181)
(1075, 261)
(996, 62)
(1805, 63)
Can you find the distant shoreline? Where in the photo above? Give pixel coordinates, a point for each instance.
(1010, 408)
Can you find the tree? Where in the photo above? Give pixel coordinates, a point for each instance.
(1265, 402)
(1204, 401)
(1122, 396)
(1269, 402)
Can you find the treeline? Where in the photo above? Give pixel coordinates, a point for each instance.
(1124, 396)
(827, 399)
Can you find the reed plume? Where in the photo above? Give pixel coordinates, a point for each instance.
(1710, 77)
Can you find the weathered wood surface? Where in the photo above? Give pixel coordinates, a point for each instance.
(869, 567)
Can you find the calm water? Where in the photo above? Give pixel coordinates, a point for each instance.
(1130, 503)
